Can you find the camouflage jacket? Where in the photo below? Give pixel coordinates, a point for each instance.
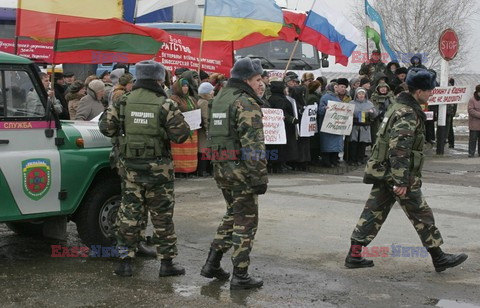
(147, 170)
(397, 156)
(250, 168)
(382, 102)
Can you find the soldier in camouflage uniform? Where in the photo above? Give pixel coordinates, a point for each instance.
(124, 85)
(146, 122)
(394, 169)
(236, 140)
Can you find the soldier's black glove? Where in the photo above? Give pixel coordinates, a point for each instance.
(260, 189)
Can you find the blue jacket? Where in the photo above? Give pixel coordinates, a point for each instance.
(328, 142)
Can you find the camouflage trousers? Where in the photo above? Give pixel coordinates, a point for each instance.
(238, 226)
(137, 200)
(379, 204)
(144, 219)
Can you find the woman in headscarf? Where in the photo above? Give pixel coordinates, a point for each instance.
(185, 154)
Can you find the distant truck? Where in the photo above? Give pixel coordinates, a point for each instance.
(51, 171)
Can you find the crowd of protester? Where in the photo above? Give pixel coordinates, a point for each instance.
(372, 92)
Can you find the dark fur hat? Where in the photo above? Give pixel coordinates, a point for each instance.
(401, 70)
(150, 69)
(420, 78)
(246, 68)
(343, 81)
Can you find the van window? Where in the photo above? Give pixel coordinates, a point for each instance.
(18, 96)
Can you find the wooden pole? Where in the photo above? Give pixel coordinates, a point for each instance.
(201, 39)
(291, 57)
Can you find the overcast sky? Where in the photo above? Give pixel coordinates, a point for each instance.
(345, 6)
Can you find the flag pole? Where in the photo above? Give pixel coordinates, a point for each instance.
(296, 44)
(366, 29)
(201, 39)
(15, 48)
(135, 12)
(291, 57)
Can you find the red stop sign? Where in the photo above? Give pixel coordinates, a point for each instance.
(448, 44)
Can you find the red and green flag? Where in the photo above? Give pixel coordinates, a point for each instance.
(105, 41)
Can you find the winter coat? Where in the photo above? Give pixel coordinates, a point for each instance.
(73, 100)
(89, 107)
(202, 132)
(278, 100)
(361, 130)
(474, 114)
(328, 142)
(313, 98)
(303, 143)
(60, 95)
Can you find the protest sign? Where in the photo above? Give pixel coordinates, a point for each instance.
(338, 118)
(308, 125)
(183, 51)
(449, 95)
(193, 118)
(274, 126)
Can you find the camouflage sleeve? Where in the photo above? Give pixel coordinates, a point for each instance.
(177, 129)
(400, 145)
(250, 133)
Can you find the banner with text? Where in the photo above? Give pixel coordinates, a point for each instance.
(338, 118)
(183, 51)
(36, 51)
(449, 95)
(308, 125)
(274, 126)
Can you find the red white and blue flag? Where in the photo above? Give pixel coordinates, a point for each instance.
(329, 31)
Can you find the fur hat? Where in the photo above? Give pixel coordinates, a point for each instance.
(116, 74)
(420, 78)
(401, 70)
(364, 80)
(291, 78)
(149, 69)
(96, 85)
(76, 86)
(179, 71)
(343, 81)
(125, 79)
(205, 88)
(203, 75)
(246, 68)
(307, 76)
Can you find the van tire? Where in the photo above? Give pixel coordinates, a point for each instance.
(97, 213)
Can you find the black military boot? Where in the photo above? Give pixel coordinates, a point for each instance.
(212, 268)
(354, 258)
(442, 261)
(146, 250)
(124, 267)
(168, 268)
(242, 281)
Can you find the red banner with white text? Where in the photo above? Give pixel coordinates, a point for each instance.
(183, 51)
(36, 51)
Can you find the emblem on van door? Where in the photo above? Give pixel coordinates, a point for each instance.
(36, 177)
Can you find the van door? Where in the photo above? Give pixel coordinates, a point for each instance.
(29, 158)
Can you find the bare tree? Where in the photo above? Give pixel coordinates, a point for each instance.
(414, 26)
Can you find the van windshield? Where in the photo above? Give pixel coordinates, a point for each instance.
(275, 55)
